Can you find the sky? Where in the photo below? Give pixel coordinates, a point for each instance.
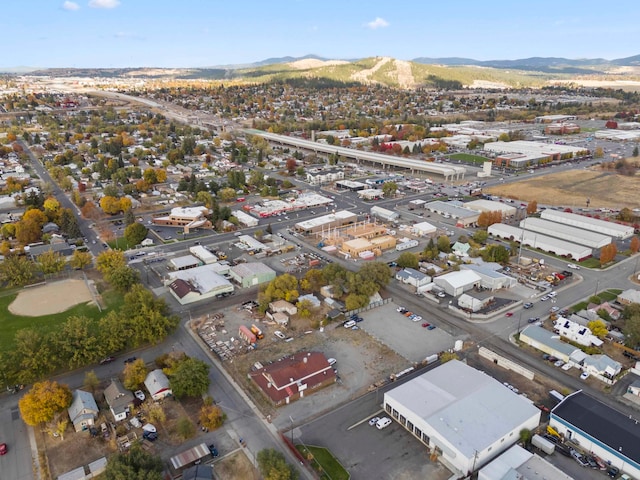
(205, 33)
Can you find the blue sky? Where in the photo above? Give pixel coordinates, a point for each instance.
(201, 33)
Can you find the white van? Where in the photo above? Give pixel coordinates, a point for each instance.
(349, 324)
(383, 423)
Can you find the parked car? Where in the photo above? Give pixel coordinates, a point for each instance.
(426, 325)
(151, 436)
(527, 305)
(349, 324)
(106, 360)
(533, 319)
(545, 298)
(613, 472)
(3, 448)
(431, 327)
(130, 360)
(558, 363)
(213, 450)
(573, 266)
(140, 395)
(331, 361)
(508, 314)
(384, 422)
(279, 334)
(374, 421)
(584, 375)
(554, 309)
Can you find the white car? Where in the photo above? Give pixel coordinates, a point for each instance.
(383, 423)
(140, 395)
(573, 266)
(373, 421)
(584, 375)
(279, 334)
(552, 294)
(331, 361)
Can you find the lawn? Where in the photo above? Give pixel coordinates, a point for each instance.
(465, 157)
(10, 323)
(590, 263)
(324, 462)
(609, 295)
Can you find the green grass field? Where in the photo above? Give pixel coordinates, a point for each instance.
(10, 323)
(465, 157)
(324, 463)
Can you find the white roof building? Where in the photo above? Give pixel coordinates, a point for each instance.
(463, 415)
(423, 229)
(565, 232)
(538, 240)
(533, 148)
(456, 283)
(203, 254)
(184, 262)
(587, 223)
(197, 283)
(245, 219)
(491, 206)
(576, 332)
(520, 464)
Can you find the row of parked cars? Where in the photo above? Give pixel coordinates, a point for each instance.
(410, 315)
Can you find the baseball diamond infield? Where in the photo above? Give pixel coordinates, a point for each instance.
(50, 298)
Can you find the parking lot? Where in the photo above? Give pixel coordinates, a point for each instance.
(406, 337)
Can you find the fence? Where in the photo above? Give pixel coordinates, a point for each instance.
(369, 307)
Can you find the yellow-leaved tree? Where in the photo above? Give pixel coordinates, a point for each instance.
(45, 399)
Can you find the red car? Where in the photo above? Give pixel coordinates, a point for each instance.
(3, 448)
(425, 325)
(509, 314)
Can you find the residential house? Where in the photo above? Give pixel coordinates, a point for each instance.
(119, 400)
(83, 410)
(612, 312)
(575, 332)
(413, 277)
(602, 365)
(283, 306)
(157, 384)
(629, 296)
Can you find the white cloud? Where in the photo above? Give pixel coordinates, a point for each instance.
(71, 6)
(104, 3)
(378, 23)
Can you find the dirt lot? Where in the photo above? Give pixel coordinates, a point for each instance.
(51, 298)
(236, 467)
(572, 188)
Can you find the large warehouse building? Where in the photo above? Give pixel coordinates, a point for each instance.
(195, 284)
(491, 206)
(587, 223)
(598, 428)
(537, 240)
(327, 222)
(565, 232)
(461, 414)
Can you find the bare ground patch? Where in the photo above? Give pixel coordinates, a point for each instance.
(236, 467)
(573, 188)
(51, 298)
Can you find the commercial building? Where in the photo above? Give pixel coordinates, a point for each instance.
(544, 150)
(490, 206)
(327, 222)
(413, 277)
(614, 230)
(251, 274)
(203, 254)
(489, 278)
(198, 283)
(456, 283)
(598, 428)
(323, 177)
(543, 242)
(462, 415)
(351, 185)
(520, 464)
(185, 262)
(357, 246)
(549, 342)
(189, 218)
(465, 216)
(245, 219)
(424, 229)
(294, 377)
(384, 214)
(565, 232)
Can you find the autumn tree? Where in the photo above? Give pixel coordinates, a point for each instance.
(444, 244)
(135, 233)
(80, 260)
(43, 402)
(273, 466)
(211, 416)
(143, 318)
(51, 208)
(29, 228)
(283, 287)
(227, 194)
(110, 260)
(50, 262)
(598, 328)
(389, 189)
(532, 207)
(608, 253)
(486, 219)
(135, 374)
(91, 381)
(110, 205)
(17, 271)
(634, 245)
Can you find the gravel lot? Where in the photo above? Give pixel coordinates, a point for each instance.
(409, 339)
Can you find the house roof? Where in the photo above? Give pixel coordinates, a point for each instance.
(251, 268)
(181, 287)
(631, 295)
(283, 378)
(156, 382)
(602, 362)
(548, 338)
(411, 273)
(81, 403)
(118, 398)
(198, 472)
(618, 431)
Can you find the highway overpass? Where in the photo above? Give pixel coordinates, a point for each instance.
(449, 172)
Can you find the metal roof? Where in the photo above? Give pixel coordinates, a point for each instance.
(566, 232)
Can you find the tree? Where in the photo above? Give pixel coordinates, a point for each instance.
(353, 301)
(480, 236)
(135, 374)
(17, 271)
(315, 279)
(608, 253)
(136, 464)
(377, 272)
(273, 466)
(91, 381)
(634, 245)
(190, 378)
(129, 217)
(444, 244)
(635, 151)
(110, 205)
(598, 328)
(143, 318)
(598, 153)
(227, 194)
(525, 436)
(135, 233)
(283, 287)
(77, 342)
(185, 428)
(68, 223)
(486, 219)
(80, 260)
(50, 262)
(631, 315)
(51, 207)
(389, 189)
(45, 399)
(109, 261)
(407, 260)
(211, 417)
(156, 413)
(291, 165)
(532, 207)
